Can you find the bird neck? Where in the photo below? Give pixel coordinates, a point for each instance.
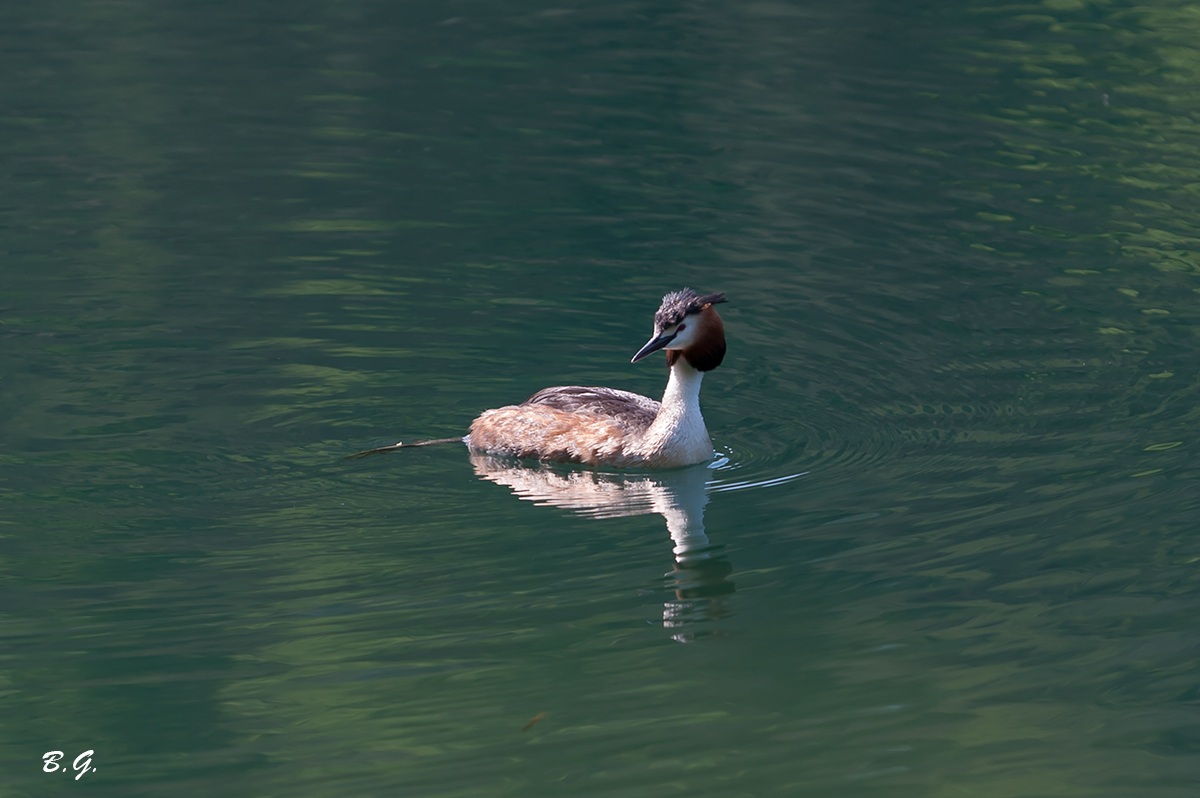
(677, 435)
(682, 394)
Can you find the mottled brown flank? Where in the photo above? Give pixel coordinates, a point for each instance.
(548, 433)
(567, 424)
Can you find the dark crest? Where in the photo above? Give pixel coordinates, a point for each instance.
(678, 304)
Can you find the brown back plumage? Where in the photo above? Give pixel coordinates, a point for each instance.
(611, 402)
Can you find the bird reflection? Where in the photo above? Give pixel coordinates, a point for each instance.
(700, 572)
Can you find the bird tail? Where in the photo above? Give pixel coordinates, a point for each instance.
(401, 445)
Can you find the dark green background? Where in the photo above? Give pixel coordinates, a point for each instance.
(242, 239)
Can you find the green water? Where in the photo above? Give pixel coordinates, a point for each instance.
(949, 547)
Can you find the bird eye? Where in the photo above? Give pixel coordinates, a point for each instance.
(681, 328)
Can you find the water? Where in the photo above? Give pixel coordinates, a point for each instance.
(948, 547)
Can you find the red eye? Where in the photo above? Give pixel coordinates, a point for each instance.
(681, 328)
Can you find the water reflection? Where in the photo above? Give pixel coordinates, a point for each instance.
(700, 573)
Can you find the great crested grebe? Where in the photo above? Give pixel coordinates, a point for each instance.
(609, 427)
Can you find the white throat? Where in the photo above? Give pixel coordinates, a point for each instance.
(678, 435)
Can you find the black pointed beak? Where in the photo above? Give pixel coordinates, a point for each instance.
(653, 345)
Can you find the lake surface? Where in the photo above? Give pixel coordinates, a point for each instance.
(949, 546)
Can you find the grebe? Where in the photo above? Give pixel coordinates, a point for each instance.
(609, 427)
